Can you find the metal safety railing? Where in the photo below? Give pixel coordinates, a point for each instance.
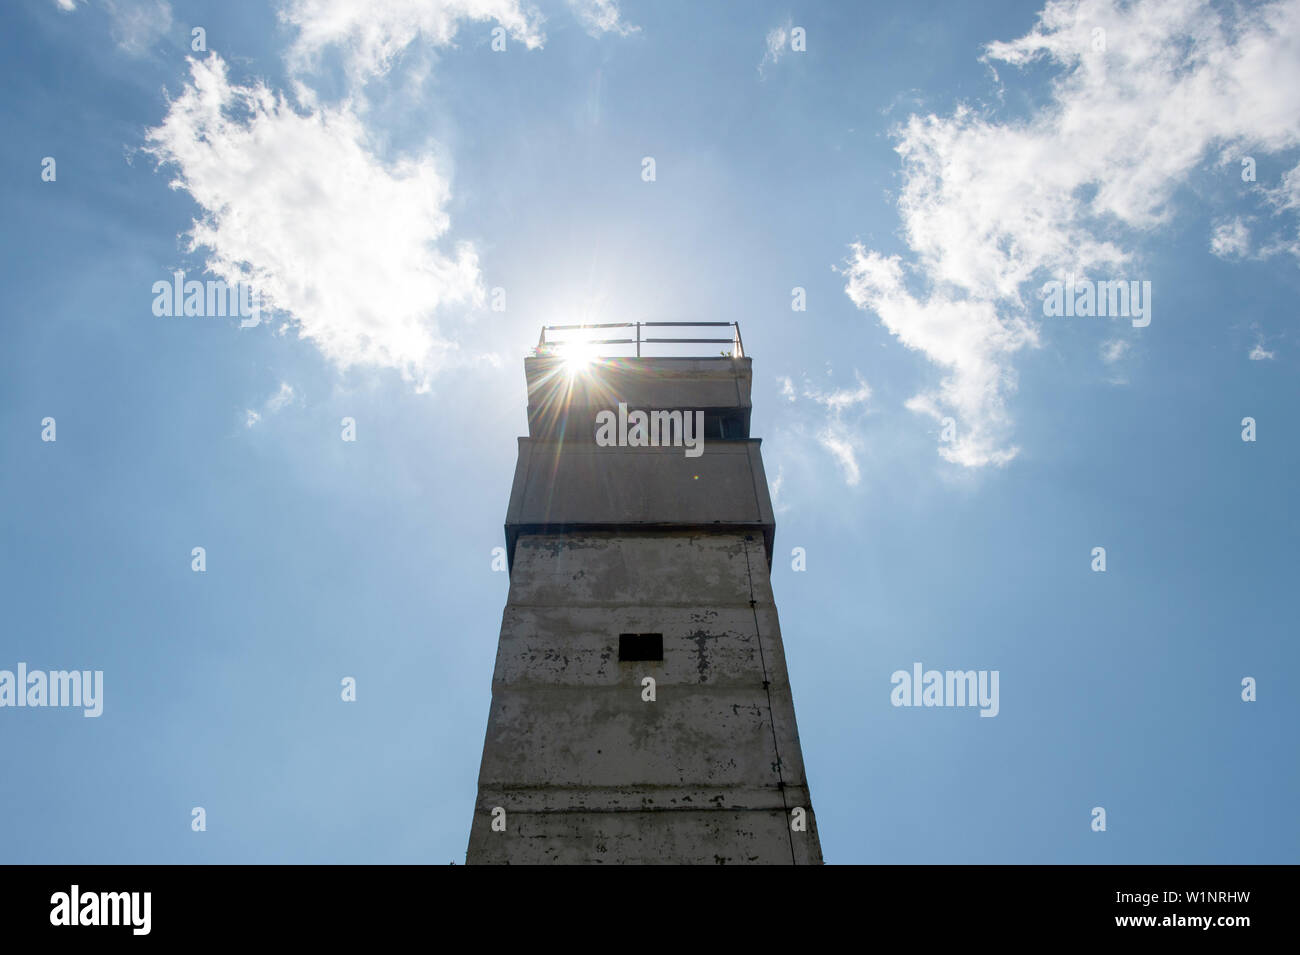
(548, 347)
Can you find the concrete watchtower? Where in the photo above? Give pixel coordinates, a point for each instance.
(641, 709)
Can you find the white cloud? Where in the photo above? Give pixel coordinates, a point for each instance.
(835, 435)
(778, 43)
(1259, 353)
(1231, 239)
(776, 485)
(601, 16)
(1113, 350)
(273, 405)
(136, 25)
(295, 203)
(1287, 195)
(841, 447)
(990, 206)
(967, 337)
(67, 6)
(841, 399)
(371, 35)
(281, 398)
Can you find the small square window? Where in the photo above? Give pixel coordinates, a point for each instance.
(640, 646)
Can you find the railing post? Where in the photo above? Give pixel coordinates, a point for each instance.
(638, 339)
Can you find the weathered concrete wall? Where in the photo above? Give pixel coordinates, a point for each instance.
(557, 398)
(589, 772)
(562, 483)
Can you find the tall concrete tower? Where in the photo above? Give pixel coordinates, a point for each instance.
(641, 709)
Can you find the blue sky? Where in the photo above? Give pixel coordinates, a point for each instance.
(921, 170)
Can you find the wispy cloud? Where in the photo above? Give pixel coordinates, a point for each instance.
(990, 206)
(1113, 350)
(839, 400)
(136, 25)
(273, 405)
(837, 435)
(1230, 239)
(1260, 353)
(281, 398)
(839, 444)
(297, 204)
(371, 35)
(776, 486)
(777, 45)
(601, 16)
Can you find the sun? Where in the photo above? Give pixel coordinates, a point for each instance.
(577, 356)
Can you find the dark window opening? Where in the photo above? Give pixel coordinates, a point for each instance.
(723, 426)
(640, 646)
